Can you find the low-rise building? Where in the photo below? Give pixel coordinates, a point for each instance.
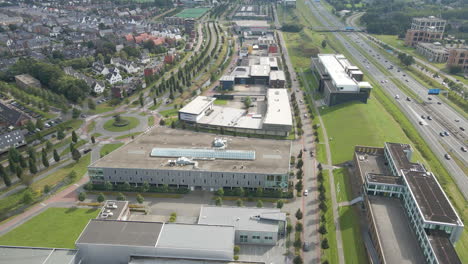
(185, 159)
(258, 226)
(11, 116)
(11, 139)
(389, 172)
(434, 52)
(255, 26)
(339, 80)
(25, 81)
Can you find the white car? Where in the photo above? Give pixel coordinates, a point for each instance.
(306, 192)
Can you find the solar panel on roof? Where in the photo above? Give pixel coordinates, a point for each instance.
(204, 153)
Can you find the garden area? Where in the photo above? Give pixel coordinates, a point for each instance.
(55, 228)
(120, 124)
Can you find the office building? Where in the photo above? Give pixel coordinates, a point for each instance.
(11, 139)
(389, 173)
(25, 81)
(433, 52)
(185, 159)
(339, 80)
(256, 27)
(458, 57)
(425, 29)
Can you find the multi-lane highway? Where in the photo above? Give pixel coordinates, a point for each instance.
(442, 117)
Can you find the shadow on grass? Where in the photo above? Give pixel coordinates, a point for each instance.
(71, 210)
(91, 210)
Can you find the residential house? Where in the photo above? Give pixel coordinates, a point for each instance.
(11, 116)
(100, 68)
(114, 77)
(10, 139)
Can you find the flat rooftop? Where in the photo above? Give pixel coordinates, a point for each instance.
(197, 105)
(271, 156)
(242, 218)
(251, 23)
(196, 241)
(443, 248)
(279, 110)
(130, 233)
(231, 117)
(336, 70)
(398, 241)
(31, 255)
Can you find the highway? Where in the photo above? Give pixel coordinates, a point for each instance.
(443, 117)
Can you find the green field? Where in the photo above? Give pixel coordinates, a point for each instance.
(169, 112)
(353, 245)
(192, 12)
(108, 148)
(331, 253)
(220, 102)
(55, 227)
(357, 123)
(132, 123)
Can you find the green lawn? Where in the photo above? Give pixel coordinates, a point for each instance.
(132, 123)
(192, 12)
(353, 246)
(169, 112)
(356, 123)
(330, 254)
(108, 148)
(150, 121)
(128, 135)
(55, 227)
(102, 108)
(220, 102)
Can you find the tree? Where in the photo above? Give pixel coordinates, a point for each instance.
(140, 199)
(322, 229)
(220, 192)
(76, 155)
(162, 122)
(6, 179)
(75, 113)
(39, 124)
(49, 145)
(45, 160)
(299, 214)
(324, 243)
(127, 186)
(239, 202)
(117, 118)
(141, 99)
(300, 163)
(91, 104)
(259, 192)
(72, 175)
(108, 186)
(239, 192)
(60, 134)
(19, 172)
(32, 166)
(299, 186)
(247, 102)
(298, 260)
(28, 197)
(30, 126)
(324, 43)
(101, 197)
(121, 197)
(74, 137)
(279, 204)
(82, 196)
(56, 156)
(297, 242)
(219, 201)
(22, 162)
(145, 187)
(46, 189)
(299, 227)
(93, 140)
(259, 203)
(32, 153)
(289, 228)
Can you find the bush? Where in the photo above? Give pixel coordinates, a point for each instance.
(297, 243)
(239, 202)
(299, 214)
(236, 250)
(101, 198)
(121, 197)
(322, 229)
(236, 257)
(324, 243)
(82, 196)
(279, 204)
(323, 206)
(140, 199)
(298, 260)
(173, 217)
(46, 188)
(259, 203)
(219, 201)
(299, 227)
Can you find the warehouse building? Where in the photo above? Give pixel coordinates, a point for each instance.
(339, 80)
(389, 173)
(273, 118)
(113, 241)
(254, 27)
(185, 159)
(259, 226)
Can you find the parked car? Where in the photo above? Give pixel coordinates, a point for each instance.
(307, 246)
(306, 192)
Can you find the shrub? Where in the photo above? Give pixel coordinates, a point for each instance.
(279, 204)
(82, 196)
(239, 202)
(140, 199)
(101, 198)
(299, 227)
(121, 197)
(322, 229)
(324, 243)
(218, 201)
(259, 203)
(299, 214)
(236, 250)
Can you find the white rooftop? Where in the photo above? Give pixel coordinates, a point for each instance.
(252, 23)
(242, 218)
(197, 105)
(189, 241)
(279, 110)
(335, 66)
(277, 75)
(231, 117)
(260, 70)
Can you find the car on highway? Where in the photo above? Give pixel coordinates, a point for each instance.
(404, 75)
(446, 133)
(421, 123)
(397, 96)
(406, 80)
(429, 98)
(457, 120)
(305, 115)
(306, 192)
(441, 134)
(462, 128)
(311, 153)
(408, 99)
(463, 149)
(447, 156)
(429, 118)
(423, 116)
(439, 103)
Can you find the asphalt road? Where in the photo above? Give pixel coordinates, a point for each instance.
(443, 116)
